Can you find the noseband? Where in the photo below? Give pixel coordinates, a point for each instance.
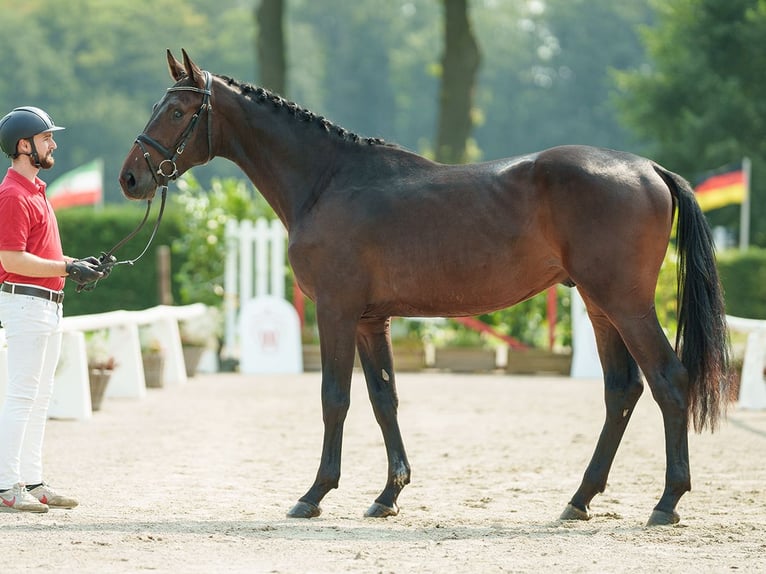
(163, 174)
(167, 171)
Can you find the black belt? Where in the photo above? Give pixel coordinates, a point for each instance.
(41, 292)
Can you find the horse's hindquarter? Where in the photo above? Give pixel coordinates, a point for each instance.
(611, 217)
(445, 240)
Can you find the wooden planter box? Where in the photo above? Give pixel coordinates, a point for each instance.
(406, 359)
(409, 359)
(538, 361)
(465, 359)
(312, 359)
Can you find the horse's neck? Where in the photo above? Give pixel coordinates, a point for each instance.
(284, 158)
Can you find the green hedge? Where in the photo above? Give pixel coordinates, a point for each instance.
(743, 275)
(87, 231)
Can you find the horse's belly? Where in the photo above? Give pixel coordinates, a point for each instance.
(451, 292)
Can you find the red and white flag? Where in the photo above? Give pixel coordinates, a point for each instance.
(81, 186)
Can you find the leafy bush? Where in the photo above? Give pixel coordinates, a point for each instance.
(201, 241)
(666, 295)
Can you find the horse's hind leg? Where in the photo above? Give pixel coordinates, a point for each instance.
(374, 345)
(669, 383)
(622, 388)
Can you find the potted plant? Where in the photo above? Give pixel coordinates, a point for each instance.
(153, 357)
(197, 335)
(100, 366)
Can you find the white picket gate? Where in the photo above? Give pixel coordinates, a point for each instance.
(262, 330)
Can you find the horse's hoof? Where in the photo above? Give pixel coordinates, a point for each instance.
(378, 510)
(571, 512)
(662, 518)
(304, 510)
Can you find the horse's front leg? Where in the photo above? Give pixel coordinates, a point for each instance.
(336, 342)
(374, 344)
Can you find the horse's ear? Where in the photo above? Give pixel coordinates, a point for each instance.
(176, 69)
(192, 70)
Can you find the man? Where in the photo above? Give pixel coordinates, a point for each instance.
(32, 272)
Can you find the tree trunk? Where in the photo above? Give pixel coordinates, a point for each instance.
(270, 44)
(460, 64)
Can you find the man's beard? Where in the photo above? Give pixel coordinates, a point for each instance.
(45, 162)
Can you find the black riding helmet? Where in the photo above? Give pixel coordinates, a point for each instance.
(24, 123)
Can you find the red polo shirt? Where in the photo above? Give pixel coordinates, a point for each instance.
(27, 223)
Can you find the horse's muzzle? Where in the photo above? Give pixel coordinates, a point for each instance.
(137, 186)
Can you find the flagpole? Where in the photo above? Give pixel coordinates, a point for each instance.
(99, 205)
(744, 212)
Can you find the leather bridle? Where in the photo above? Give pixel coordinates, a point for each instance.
(165, 172)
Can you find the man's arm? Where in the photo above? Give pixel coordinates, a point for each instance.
(24, 263)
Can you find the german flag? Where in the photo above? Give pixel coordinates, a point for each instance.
(722, 187)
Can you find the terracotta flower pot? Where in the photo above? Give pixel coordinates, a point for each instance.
(192, 356)
(153, 367)
(99, 378)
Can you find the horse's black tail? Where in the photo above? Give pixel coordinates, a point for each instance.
(702, 340)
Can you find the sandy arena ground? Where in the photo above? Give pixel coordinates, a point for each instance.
(197, 479)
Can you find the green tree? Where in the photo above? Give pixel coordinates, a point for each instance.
(270, 45)
(341, 61)
(372, 67)
(97, 67)
(459, 65)
(701, 103)
(546, 73)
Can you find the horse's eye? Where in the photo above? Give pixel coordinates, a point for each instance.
(177, 114)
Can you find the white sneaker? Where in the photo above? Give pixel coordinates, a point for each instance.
(46, 495)
(18, 499)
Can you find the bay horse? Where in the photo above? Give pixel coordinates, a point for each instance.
(376, 231)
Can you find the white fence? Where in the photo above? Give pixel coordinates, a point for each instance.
(71, 395)
(255, 267)
(262, 328)
(752, 389)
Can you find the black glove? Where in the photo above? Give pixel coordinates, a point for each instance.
(83, 272)
(105, 263)
(92, 260)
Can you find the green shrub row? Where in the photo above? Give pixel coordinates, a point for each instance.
(89, 231)
(743, 275)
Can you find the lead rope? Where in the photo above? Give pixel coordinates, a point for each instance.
(107, 260)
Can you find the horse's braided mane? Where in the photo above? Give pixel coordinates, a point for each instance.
(264, 96)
